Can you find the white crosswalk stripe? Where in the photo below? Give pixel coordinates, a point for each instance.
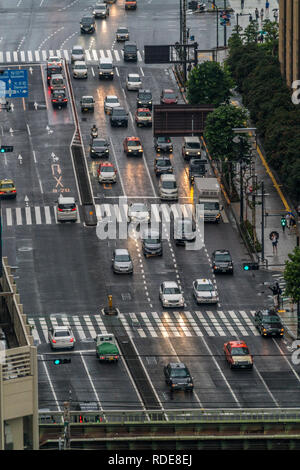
(30, 215)
(91, 55)
(167, 324)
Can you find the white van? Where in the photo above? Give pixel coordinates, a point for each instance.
(168, 189)
(106, 68)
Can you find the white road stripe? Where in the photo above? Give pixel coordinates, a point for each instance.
(215, 323)
(204, 323)
(193, 323)
(19, 216)
(47, 214)
(44, 55)
(166, 320)
(15, 56)
(125, 324)
(226, 321)
(237, 322)
(37, 56)
(149, 325)
(77, 329)
(28, 215)
(91, 329)
(38, 219)
(98, 211)
(30, 57)
(8, 57)
(100, 323)
(109, 54)
(94, 54)
(118, 58)
(249, 323)
(66, 54)
(182, 324)
(102, 55)
(137, 327)
(8, 216)
(140, 59)
(45, 329)
(1, 56)
(87, 54)
(160, 325)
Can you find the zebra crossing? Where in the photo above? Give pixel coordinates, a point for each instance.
(231, 324)
(91, 55)
(30, 215)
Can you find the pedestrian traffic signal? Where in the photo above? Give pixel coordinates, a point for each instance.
(283, 221)
(250, 266)
(6, 148)
(57, 362)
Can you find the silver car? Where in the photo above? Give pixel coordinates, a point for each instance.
(80, 69)
(61, 337)
(66, 209)
(168, 189)
(110, 102)
(138, 212)
(133, 82)
(77, 53)
(121, 261)
(170, 294)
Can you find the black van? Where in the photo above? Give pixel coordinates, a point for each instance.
(130, 51)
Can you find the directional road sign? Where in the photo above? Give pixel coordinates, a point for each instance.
(14, 83)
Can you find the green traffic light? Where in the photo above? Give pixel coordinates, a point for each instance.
(246, 268)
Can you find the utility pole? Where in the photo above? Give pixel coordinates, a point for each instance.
(184, 36)
(225, 27)
(67, 425)
(262, 221)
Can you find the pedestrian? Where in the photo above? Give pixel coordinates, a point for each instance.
(288, 220)
(274, 241)
(275, 14)
(292, 222)
(261, 38)
(274, 291)
(256, 14)
(262, 15)
(267, 7)
(278, 292)
(242, 4)
(250, 17)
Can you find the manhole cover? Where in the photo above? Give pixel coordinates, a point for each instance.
(25, 248)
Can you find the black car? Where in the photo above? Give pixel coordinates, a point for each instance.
(163, 144)
(178, 377)
(268, 323)
(88, 24)
(53, 70)
(99, 148)
(222, 262)
(197, 168)
(162, 165)
(119, 117)
(151, 243)
(130, 51)
(144, 99)
(59, 99)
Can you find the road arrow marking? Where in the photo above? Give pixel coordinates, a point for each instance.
(35, 104)
(26, 199)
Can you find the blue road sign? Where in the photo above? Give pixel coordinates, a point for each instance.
(14, 83)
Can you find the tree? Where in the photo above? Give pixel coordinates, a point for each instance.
(250, 33)
(292, 276)
(209, 83)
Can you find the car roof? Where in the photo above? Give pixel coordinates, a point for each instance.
(133, 75)
(6, 180)
(106, 164)
(269, 312)
(79, 62)
(204, 281)
(112, 96)
(237, 344)
(143, 90)
(168, 177)
(105, 60)
(177, 365)
(121, 251)
(60, 328)
(122, 27)
(168, 90)
(150, 233)
(218, 252)
(170, 284)
(77, 46)
(162, 157)
(132, 138)
(66, 200)
(56, 75)
(192, 139)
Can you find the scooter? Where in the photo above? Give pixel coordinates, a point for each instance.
(201, 8)
(94, 132)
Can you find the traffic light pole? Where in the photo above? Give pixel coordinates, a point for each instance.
(262, 222)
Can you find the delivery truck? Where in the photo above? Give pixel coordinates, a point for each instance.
(106, 348)
(207, 191)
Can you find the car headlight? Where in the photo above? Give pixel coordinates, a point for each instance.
(106, 150)
(186, 153)
(140, 150)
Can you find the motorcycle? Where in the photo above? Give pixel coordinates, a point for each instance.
(196, 6)
(94, 132)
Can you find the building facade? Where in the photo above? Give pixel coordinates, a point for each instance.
(289, 39)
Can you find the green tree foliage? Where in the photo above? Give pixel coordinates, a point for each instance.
(219, 135)
(292, 275)
(209, 83)
(250, 33)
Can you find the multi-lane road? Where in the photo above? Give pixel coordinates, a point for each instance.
(63, 271)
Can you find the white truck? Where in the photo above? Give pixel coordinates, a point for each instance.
(207, 191)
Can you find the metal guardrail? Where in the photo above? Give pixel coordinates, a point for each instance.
(271, 415)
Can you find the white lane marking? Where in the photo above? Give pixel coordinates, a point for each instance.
(182, 324)
(149, 325)
(226, 322)
(44, 362)
(160, 325)
(38, 218)
(166, 319)
(193, 323)
(47, 214)
(28, 215)
(249, 323)
(19, 216)
(215, 323)
(238, 323)
(8, 216)
(91, 329)
(137, 327)
(78, 328)
(204, 323)
(101, 324)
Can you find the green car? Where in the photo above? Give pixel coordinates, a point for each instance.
(268, 323)
(106, 348)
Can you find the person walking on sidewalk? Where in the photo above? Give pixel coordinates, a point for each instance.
(267, 8)
(274, 291)
(242, 4)
(274, 240)
(256, 14)
(288, 220)
(262, 15)
(275, 14)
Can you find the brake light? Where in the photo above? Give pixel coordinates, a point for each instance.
(2, 192)
(116, 357)
(53, 341)
(71, 340)
(54, 101)
(65, 99)
(60, 210)
(74, 209)
(101, 357)
(13, 191)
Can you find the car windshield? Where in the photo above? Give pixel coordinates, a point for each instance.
(242, 351)
(169, 184)
(130, 48)
(171, 290)
(145, 96)
(7, 185)
(193, 145)
(138, 208)
(60, 334)
(122, 258)
(271, 319)
(106, 169)
(57, 80)
(163, 163)
(209, 206)
(99, 143)
(80, 66)
(169, 96)
(100, 7)
(66, 206)
(222, 257)
(106, 66)
(144, 113)
(88, 100)
(112, 100)
(152, 241)
(87, 20)
(122, 30)
(179, 373)
(162, 140)
(77, 51)
(119, 112)
(133, 79)
(205, 287)
(133, 143)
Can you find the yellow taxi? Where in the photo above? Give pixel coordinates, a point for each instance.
(7, 188)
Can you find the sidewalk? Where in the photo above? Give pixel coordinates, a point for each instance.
(249, 7)
(275, 205)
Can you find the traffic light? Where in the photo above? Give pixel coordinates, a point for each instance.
(283, 221)
(6, 148)
(250, 266)
(58, 362)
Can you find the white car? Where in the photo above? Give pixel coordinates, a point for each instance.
(167, 187)
(110, 102)
(77, 53)
(80, 69)
(133, 82)
(61, 337)
(205, 292)
(54, 60)
(170, 294)
(138, 212)
(107, 173)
